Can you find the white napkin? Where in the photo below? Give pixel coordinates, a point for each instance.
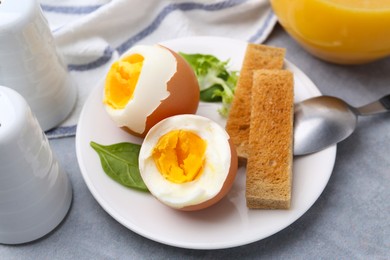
(92, 34)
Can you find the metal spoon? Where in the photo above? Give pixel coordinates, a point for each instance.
(322, 121)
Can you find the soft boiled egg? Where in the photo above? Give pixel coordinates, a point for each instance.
(148, 84)
(188, 162)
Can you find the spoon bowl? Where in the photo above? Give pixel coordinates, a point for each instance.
(322, 121)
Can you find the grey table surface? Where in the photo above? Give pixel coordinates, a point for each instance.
(350, 220)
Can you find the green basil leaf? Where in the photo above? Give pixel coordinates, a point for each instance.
(120, 162)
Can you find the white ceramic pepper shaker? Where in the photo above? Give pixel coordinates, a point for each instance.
(30, 63)
(35, 194)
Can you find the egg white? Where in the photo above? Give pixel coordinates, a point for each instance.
(158, 68)
(216, 168)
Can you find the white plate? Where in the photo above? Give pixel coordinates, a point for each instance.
(227, 224)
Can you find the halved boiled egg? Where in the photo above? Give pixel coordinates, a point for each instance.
(148, 84)
(188, 162)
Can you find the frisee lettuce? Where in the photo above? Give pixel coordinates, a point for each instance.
(216, 82)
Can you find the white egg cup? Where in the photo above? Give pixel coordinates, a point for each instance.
(31, 65)
(35, 194)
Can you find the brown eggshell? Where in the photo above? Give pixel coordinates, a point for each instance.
(183, 98)
(226, 186)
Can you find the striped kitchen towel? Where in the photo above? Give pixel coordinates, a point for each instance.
(91, 34)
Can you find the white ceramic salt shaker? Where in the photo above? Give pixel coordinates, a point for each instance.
(30, 63)
(35, 194)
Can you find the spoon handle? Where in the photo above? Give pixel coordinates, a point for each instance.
(380, 106)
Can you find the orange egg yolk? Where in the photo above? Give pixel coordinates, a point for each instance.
(180, 155)
(121, 81)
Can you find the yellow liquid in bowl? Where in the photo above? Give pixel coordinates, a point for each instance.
(340, 31)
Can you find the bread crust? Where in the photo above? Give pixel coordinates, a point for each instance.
(270, 155)
(257, 57)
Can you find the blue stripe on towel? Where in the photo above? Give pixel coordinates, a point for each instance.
(263, 27)
(186, 6)
(70, 9)
(64, 131)
(189, 6)
(107, 54)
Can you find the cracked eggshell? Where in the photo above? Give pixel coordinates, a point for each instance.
(167, 86)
